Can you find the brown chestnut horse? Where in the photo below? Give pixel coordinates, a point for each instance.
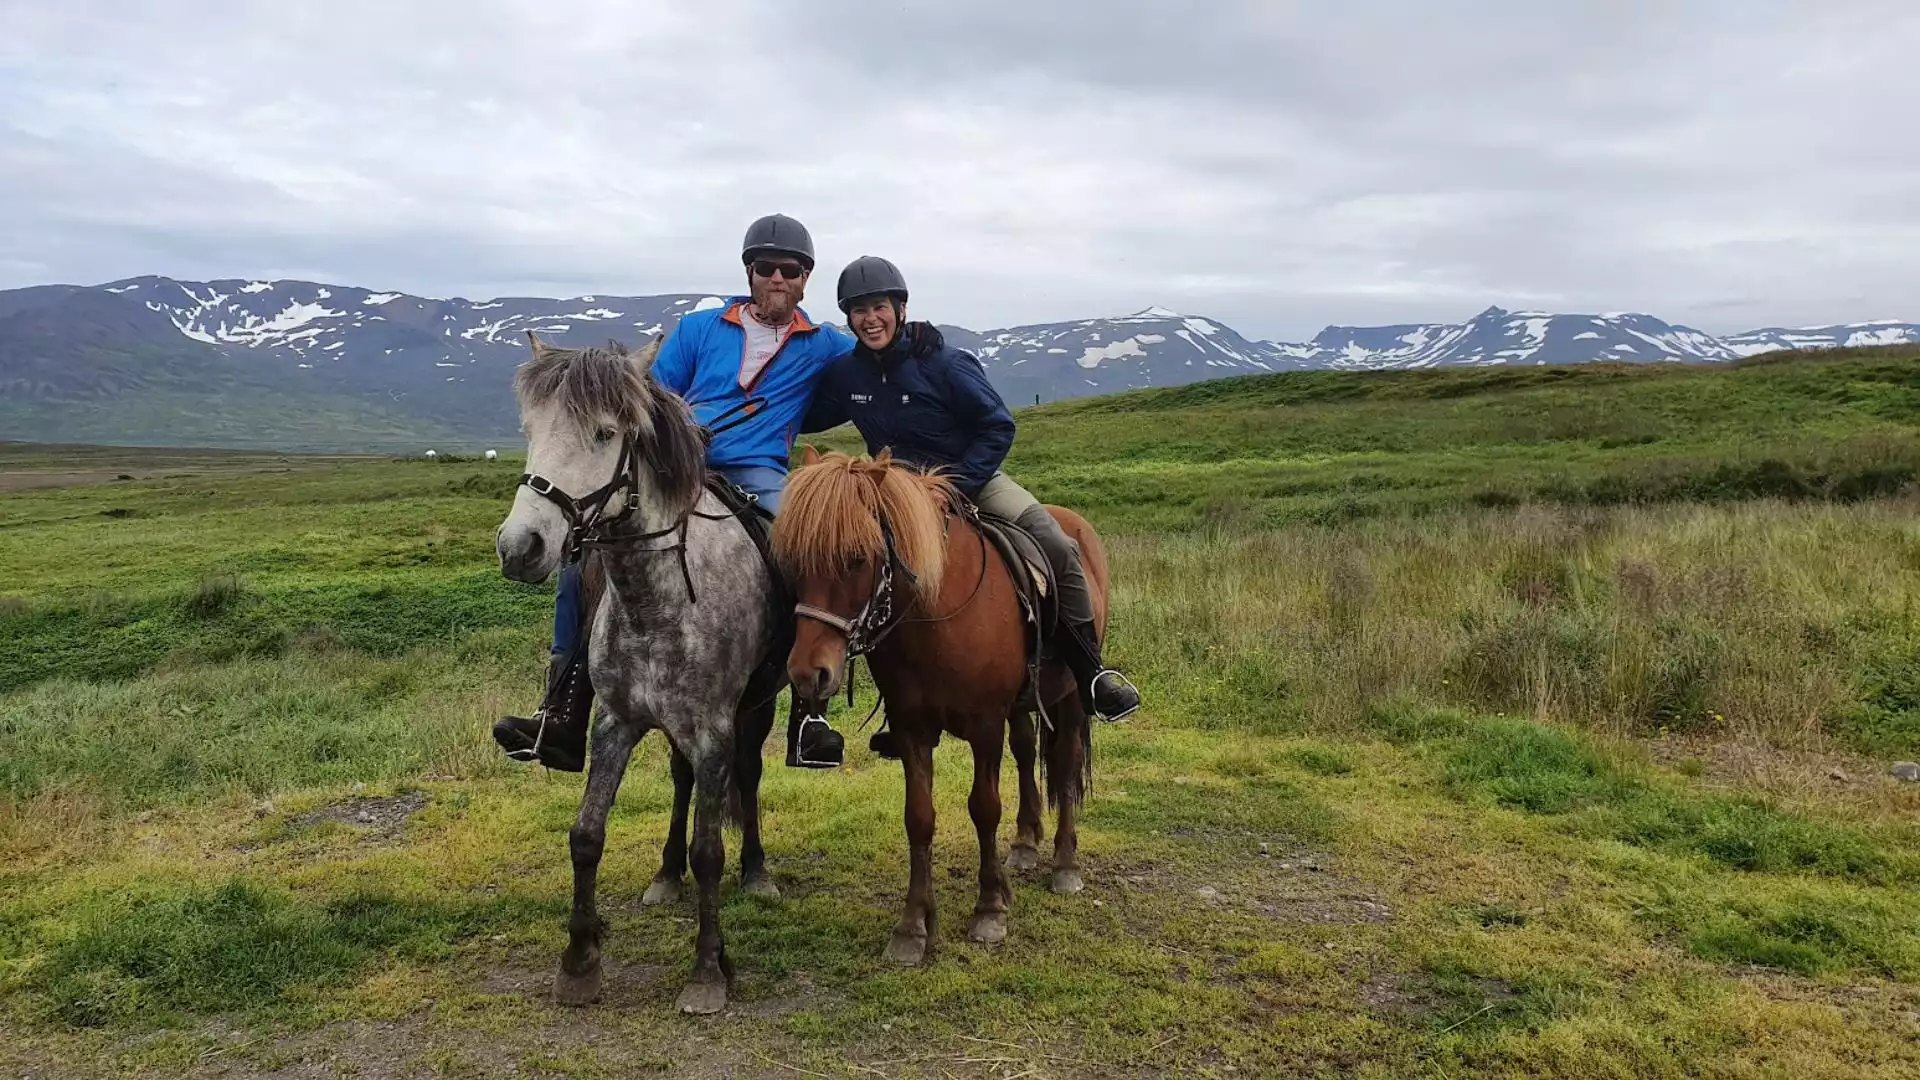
(883, 566)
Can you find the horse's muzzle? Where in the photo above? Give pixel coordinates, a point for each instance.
(525, 554)
(813, 685)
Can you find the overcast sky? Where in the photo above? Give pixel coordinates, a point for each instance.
(1276, 165)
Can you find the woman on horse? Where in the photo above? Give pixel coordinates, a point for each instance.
(906, 390)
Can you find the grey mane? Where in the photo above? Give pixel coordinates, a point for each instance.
(610, 383)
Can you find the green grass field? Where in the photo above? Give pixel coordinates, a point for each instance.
(1504, 723)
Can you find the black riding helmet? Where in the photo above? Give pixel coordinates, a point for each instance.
(778, 233)
(869, 275)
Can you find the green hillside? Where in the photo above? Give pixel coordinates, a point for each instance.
(1521, 723)
(239, 418)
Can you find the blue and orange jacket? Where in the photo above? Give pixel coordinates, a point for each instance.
(700, 361)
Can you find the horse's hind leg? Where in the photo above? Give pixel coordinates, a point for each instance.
(751, 732)
(1066, 758)
(707, 992)
(578, 981)
(1025, 852)
(916, 927)
(990, 912)
(666, 885)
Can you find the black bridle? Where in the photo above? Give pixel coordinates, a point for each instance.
(878, 617)
(589, 522)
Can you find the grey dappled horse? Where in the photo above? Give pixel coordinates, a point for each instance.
(677, 643)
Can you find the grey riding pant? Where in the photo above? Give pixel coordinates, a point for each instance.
(1002, 497)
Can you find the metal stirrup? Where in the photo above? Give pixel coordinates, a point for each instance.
(1093, 692)
(800, 740)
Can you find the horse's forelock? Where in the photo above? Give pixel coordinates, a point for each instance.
(588, 384)
(830, 517)
(607, 382)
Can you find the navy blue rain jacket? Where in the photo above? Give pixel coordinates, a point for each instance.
(936, 409)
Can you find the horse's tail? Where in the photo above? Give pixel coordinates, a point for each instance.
(1059, 733)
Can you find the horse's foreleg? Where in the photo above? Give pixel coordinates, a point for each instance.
(916, 929)
(990, 912)
(578, 980)
(750, 735)
(666, 885)
(1025, 852)
(707, 991)
(1066, 757)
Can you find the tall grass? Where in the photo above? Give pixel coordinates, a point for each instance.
(1793, 624)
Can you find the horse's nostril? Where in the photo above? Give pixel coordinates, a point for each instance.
(536, 544)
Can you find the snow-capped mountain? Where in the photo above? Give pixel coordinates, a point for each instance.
(1773, 339)
(341, 351)
(1155, 347)
(329, 324)
(1497, 336)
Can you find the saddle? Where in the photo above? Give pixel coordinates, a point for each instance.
(1033, 581)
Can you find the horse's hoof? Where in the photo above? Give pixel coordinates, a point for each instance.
(907, 950)
(989, 928)
(577, 989)
(664, 890)
(703, 998)
(1023, 857)
(1067, 882)
(762, 886)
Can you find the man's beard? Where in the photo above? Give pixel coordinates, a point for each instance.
(774, 305)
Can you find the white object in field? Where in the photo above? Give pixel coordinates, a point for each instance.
(431, 455)
(491, 456)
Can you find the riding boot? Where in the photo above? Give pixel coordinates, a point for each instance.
(556, 734)
(1104, 692)
(811, 741)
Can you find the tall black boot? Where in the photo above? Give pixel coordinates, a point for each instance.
(1104, 692)
(556, 734)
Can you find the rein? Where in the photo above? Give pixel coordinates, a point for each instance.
(590, 525)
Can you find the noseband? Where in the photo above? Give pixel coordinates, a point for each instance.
(588, 522)
(880, 615)
(587, 518)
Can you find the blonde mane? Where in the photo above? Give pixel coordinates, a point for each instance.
(831, 511)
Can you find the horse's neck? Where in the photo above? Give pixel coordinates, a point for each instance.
(646, 562)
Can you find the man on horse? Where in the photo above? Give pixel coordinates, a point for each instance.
(905, 389)
(748, 369)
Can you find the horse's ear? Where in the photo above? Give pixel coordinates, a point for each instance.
(809, 455)
(643, 360)
(885, 458)
(534, 342)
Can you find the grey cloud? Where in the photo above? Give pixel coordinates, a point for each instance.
(1277, 166)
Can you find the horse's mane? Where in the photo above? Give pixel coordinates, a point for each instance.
(831, 511)
(608, 382)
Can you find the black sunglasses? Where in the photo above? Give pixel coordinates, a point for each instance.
(766, 268)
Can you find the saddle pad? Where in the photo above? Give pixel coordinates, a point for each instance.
(1018, 547)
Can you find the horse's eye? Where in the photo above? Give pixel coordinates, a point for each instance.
(604, 435)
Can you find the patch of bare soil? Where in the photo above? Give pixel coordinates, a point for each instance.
(382, 817)
(1289, 886)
